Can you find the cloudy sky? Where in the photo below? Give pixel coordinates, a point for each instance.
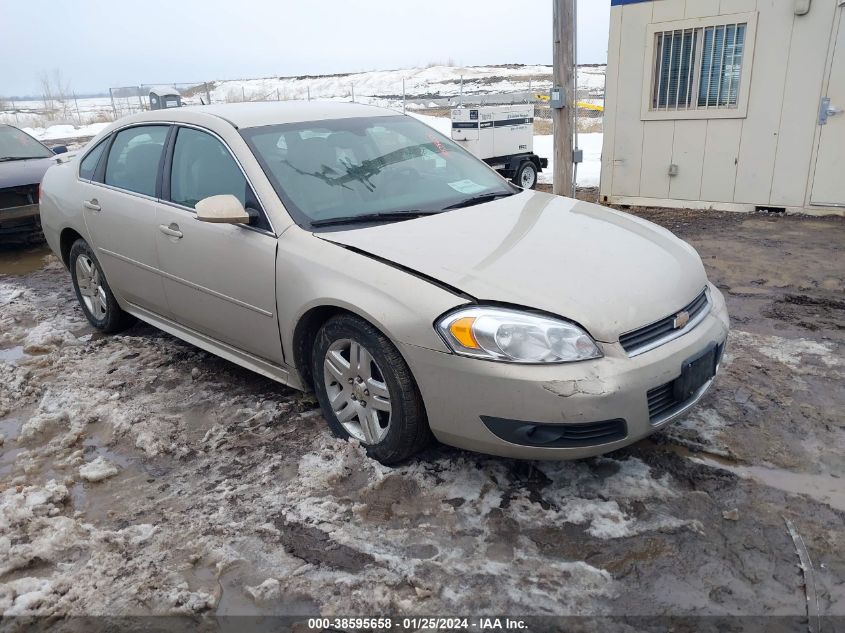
(102, 43)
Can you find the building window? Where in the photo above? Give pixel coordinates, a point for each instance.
(700, 68)
(721, 65)
(673, 73)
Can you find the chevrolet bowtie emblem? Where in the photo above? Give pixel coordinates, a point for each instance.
(681, 319)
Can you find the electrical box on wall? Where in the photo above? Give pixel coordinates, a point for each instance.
(556, 98)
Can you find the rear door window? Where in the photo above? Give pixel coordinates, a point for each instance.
(134, 159)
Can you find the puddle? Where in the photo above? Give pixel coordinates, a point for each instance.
(233, 599)
(10, 428)
(12, 355)
(822, 487)
(22, 262)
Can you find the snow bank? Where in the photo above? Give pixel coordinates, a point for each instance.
(56, 132)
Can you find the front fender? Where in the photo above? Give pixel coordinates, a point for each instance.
(311, 273)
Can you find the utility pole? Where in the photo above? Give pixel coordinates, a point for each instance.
(563, 77)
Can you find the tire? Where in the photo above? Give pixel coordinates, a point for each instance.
(93, 291)
(526, 175)
(389, 437)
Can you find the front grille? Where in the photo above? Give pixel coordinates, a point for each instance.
(661, 400)
(644, 337)
(18, 196)
(557, 435)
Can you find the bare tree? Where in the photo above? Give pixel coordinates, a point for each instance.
(56, 94)
(47, 93)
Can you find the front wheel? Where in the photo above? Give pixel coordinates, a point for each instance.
(93, 291)
(526, 175)
(366, 390)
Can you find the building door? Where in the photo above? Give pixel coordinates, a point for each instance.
(829, 183)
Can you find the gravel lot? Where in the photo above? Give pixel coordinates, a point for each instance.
(140, 475)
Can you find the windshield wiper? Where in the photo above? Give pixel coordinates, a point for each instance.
(3, 159)
(387, 216)
(484, 197)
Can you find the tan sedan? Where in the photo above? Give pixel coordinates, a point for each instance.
(357, 252)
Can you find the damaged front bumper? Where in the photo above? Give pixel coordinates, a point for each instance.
(565, 411)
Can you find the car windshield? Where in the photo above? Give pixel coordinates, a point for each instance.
(369, 167)
(16, 144)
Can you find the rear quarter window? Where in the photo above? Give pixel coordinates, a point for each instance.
(88, 166)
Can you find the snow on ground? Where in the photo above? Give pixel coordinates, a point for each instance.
(232, 497)
(230, 485)
(589, 171)
(56, 132)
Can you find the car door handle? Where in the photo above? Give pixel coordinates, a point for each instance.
(91, 204)
(172, 230)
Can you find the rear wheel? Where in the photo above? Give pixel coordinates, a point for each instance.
(366, 390)
(93, 291)
(526, 175)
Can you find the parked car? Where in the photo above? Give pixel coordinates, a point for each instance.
(359, 253)
(23, 162)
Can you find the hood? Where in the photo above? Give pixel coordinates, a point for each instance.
(15, 173)
(606, 270)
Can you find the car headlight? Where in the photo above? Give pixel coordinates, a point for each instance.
(516, 337)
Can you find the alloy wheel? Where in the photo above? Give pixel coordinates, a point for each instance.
(357, 392)
(89, 281)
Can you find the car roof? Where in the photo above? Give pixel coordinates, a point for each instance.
(257, 114)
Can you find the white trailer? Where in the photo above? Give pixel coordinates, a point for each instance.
(503, 137)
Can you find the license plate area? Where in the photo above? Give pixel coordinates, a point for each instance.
(695, 373)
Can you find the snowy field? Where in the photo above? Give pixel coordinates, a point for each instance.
(435, 86)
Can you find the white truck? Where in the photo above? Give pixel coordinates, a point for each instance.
(503, 137)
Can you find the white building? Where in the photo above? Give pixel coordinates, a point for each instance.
(726, 104)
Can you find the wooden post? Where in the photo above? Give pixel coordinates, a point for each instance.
(563, 75)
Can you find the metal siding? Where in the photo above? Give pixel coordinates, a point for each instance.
(760, 130)
(656, 156)
(726, 7)
(702, 8)
(611, 99)
(666, 10)
(721, 150)
(688, 154)
(802, 93)
(628, 131)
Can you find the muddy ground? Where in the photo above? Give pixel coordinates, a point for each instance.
(140, 475)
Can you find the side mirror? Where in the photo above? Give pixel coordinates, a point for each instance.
(223, 209)
(59, 149)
